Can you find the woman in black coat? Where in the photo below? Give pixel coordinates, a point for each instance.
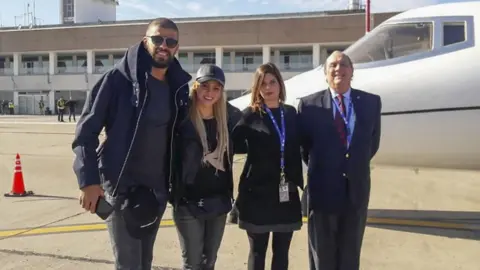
(202, 190)
(268, 198)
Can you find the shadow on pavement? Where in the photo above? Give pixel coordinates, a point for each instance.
(453, 224)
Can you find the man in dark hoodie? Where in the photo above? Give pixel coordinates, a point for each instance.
(139, 102)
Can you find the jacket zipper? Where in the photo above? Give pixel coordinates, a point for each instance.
(173, 132)
(133, 137)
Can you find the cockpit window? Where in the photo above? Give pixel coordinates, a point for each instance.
(453, 33)
(392, 41)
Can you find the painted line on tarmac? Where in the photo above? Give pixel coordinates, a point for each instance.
(170, 223)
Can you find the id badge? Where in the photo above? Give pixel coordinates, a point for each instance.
(284, 194)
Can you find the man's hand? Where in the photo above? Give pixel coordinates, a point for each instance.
(89, 197)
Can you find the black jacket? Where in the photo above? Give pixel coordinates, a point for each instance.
(116, 103)
(258, 200)
(71, 105)
(190, 152)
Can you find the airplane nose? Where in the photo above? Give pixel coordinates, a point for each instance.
(305, 84)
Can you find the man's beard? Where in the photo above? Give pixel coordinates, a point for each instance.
(161, 63)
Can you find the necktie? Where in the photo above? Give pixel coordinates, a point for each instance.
(339, 123)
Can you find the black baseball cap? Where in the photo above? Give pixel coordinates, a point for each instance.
(209, 72)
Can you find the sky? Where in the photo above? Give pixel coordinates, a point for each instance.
(47, 11)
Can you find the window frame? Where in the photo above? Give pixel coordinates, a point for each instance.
(437, 39)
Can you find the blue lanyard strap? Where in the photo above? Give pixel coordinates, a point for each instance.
(281, 133)
(347, 119)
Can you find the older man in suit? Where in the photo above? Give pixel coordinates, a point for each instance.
(340, 129)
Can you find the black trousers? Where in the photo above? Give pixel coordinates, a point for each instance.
(335, 241)
(61, 112)
(71, 113)
(258, 250)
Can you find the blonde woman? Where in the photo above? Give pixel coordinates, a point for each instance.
(203, 188)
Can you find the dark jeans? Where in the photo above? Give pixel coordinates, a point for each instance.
(258, 250)
(71, 113)
(61, 112)
(130, 253)
(200, 239)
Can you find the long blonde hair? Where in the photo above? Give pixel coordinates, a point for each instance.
(220, 115)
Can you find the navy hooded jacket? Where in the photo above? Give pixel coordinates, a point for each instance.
(116, 104)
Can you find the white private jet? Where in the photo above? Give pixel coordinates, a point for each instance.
(425, 65)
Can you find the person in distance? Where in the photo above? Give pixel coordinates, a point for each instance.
(340, 129)
(139, 103)
(268, 197)
(203, 188)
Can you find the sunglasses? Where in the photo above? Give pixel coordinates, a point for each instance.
(158, 40)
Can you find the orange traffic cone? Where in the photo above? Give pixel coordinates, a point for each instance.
(18, 186)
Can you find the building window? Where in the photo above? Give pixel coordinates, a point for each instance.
(183, 59)
(81, 63)
(6, 65)
(247, 61)
(34, 65)
(102, 63)
(117, 57)
(227, 62)
(203, 58)
(68, 10)
(64, 63)
(295, 60)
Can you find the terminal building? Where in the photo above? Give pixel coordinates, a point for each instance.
(52, 61)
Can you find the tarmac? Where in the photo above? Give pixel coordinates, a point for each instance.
(425, 219)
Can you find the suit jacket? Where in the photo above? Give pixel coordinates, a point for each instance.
(338, 178)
